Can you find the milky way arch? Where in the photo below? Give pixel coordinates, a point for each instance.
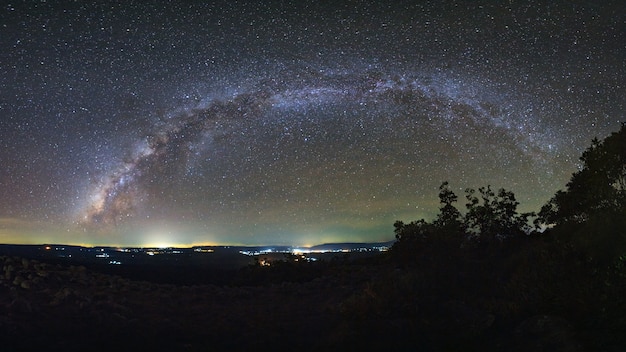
(176, 143)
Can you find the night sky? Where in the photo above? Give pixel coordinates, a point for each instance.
(291, 122)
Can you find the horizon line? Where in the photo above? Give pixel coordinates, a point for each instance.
(192, 245)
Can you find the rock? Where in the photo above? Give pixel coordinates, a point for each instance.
(8, 271)
(25, 263)
(18, 280)
(61, 296)
(25, 284)
(64, 293)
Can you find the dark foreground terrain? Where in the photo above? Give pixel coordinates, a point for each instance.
(373, 304)
(58, 307)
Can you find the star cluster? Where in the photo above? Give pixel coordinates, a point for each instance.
(290, 122)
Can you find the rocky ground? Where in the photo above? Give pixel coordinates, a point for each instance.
(356, 307)
(73, 308)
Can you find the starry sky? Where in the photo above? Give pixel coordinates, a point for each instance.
(291, 122)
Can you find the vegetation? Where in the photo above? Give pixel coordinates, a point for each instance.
(591, 210)
(590, 213)
(486, 270)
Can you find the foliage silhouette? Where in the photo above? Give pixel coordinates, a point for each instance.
(598, 187)
(590, 214)
(493, 216)
(490, 217)
(481, 261)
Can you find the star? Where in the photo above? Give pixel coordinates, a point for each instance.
(290, 123)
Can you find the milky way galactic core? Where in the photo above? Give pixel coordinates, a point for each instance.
(291, 123)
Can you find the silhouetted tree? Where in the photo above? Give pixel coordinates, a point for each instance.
(599, 187)
(490, 216)
(493, 216)
(591, 212)
(412, 235)
(447, 224)
(449, 216)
